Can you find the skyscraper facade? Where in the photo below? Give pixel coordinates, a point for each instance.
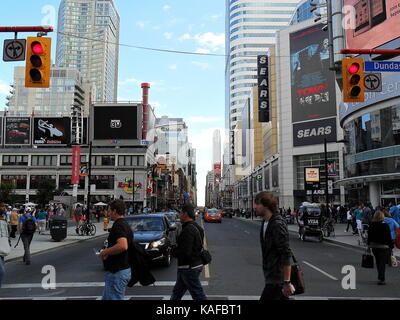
(88, 34)
(251, 26)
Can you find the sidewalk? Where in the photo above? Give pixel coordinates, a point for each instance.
(341, 237)
(44, 242)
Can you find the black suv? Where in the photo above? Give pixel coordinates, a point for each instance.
(156, 234)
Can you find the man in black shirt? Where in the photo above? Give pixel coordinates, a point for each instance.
(116, 256)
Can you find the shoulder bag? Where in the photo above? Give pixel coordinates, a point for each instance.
(205, 255)
(5, 245)
(296, 278)
(367, 259)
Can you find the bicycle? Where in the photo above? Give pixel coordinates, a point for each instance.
(87, 228)
(328, 228)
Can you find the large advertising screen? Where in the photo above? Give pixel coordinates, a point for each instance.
(51, 131)
(17, 131)
(119, 123)
(375, 22)
(313, 84)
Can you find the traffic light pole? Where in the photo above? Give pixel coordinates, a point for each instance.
(90, 176)
(326, 174)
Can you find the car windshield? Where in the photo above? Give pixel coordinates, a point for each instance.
(171, 217)
(146, 224)
(213, 213)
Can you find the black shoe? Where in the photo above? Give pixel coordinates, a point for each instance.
(381, 283)
(77, 231)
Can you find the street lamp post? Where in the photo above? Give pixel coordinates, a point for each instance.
(90, 177)
(326, 174)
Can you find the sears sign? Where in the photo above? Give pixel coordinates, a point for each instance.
(314, 132)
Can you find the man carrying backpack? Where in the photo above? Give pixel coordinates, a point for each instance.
(27, 228)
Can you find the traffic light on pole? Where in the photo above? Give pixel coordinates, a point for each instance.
(353, 80)
(38, 60)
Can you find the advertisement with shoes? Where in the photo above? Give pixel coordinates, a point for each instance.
(51, 131)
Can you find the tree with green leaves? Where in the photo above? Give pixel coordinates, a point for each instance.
(7, 192)
(46, 191)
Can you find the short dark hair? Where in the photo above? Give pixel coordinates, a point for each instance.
(119, 206)
(267, 200)
(188, 208)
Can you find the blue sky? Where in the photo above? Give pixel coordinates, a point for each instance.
(187, 86)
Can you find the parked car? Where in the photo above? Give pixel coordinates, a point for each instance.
(212, 215)
(227, 213)
(156, 234)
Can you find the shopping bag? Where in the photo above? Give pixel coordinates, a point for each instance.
(296, 278)
(367, 260)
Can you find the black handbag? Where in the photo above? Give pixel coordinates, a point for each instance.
(367, 260)
(296, 278)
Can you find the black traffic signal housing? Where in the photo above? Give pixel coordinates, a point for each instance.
(38, 61)
(353, 80)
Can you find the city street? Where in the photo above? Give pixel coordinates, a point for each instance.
(234, 274)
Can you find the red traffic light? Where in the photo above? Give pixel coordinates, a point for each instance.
(354, 68)
(37, 48)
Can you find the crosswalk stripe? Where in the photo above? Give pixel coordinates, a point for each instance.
(86, 285)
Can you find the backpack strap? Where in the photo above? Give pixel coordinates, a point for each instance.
(198, 232)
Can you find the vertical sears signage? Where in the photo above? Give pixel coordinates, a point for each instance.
(263, 89)
(76, 164)
(17, 131)
(313, 84)
(52, 131)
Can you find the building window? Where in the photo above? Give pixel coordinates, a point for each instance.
(67, 160)
(103, 182)
(65, 182)
(18, 181)
(15, 160)
(103, 160)
(44, 161)
(126, 161)
(35, 180)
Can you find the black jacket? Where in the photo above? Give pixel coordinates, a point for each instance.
(379, 233)
(275, 248)
(189, 245)
(140, 265)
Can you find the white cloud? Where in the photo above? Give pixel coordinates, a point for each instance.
(173, 67)
(202, 65)
(211, 40)
(166, 7)
(168, 35)
(142, 24)
(202, 51)
(216, 16)
(4, 88)
(156, 28)
(184, 37)
(202, 119)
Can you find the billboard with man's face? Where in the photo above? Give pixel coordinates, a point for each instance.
(375, 22)
(17, 131)
(313, 84)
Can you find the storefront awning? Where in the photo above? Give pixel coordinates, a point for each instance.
(371, 178)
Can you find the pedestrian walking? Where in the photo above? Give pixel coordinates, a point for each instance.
(188, 252)
(78, 217)
(116, 257)
(27, 228)
(41, 216)
(395, 212)
(358, 213)
(4, 242)
(393, 225)
(14, 222)
(380, 241)
(349, 220)
(276, 253)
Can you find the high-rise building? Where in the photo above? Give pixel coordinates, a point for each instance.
(251, 26)
(66, 89)
(216, 147)
(303, 11)
(88, 34)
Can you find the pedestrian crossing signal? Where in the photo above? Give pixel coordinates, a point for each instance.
(38, 60)
(353, 80)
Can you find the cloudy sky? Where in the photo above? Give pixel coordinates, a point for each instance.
(183, 85)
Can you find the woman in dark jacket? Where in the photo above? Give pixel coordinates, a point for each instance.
(380, 240)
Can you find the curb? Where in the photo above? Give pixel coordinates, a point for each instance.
(55, 248)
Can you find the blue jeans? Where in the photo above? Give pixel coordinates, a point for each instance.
(189, 279)
(115, 284)
(2, 270)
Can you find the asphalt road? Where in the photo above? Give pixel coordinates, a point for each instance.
(235, 272)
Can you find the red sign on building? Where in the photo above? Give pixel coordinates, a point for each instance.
(76, 164)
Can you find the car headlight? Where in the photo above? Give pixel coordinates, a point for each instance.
(158, 243)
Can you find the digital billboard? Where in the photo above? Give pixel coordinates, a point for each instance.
(375, 22)
(115, 123)
(17, 131)
(312, 178)
(312, 83)
(51, 131)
